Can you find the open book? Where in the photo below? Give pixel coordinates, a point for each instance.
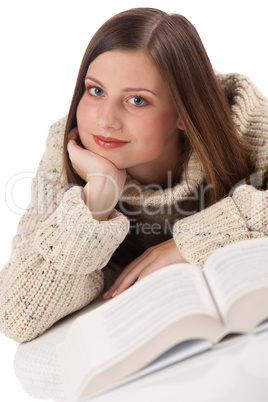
(121, 338)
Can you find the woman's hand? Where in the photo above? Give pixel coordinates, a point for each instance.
(151, 260)
(104, 180)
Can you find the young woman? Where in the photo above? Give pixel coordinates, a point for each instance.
(159, 161)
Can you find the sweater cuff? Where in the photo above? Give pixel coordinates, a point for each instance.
(75, 243)
(217, 226)
(253, 206)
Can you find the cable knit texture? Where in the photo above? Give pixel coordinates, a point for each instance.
(61, 257)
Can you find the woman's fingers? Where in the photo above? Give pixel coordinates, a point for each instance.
(129, 275)
(124, 282)
(73, 134)
(118, 281)
(128, 269)
(151, 260)
(72, 141)
(127, 281)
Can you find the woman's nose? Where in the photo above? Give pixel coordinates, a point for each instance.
(109, 116)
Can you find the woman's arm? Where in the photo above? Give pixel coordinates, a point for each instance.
(239, 217)
(57, 254)
(243, 216)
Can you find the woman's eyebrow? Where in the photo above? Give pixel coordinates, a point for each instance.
(93, 79)
(139, 89)
(125, 89)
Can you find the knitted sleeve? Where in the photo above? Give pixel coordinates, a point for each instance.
(57, 254)
(240, 217)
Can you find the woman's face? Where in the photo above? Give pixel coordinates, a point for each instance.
(126, 114)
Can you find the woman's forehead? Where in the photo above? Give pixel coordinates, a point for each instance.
(129, 68)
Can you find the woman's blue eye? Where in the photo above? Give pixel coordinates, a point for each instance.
(95, 91)
(138, 101)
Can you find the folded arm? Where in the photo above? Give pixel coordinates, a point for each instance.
(57, 254)
(239, 217)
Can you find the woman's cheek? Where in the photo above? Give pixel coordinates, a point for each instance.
(82, 125)
(83, 113)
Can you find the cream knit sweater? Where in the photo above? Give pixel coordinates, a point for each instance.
(61, 256)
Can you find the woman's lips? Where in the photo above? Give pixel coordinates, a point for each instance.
(109, 142)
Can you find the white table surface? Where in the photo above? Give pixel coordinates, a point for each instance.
(236, 370)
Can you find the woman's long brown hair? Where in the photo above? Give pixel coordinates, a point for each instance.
(177, 51)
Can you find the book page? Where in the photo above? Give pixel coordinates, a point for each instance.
(158, 302)
(123, 324)
(237, 270)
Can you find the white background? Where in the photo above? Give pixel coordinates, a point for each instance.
(42, 43)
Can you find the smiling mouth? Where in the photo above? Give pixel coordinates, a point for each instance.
(109, 142)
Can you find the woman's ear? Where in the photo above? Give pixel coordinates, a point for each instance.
(180, 124)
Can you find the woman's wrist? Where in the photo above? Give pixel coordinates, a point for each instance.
(99, 215)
